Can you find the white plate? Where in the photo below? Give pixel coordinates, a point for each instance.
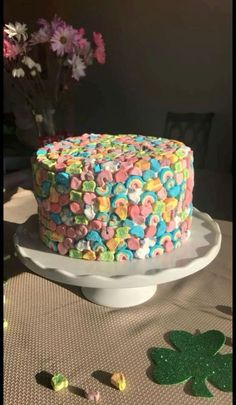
(125, 277)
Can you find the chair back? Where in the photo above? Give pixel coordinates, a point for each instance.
(193, 129)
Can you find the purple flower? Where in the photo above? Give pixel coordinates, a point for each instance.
(65, 40)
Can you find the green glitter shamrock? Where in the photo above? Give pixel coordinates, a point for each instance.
(196, 359)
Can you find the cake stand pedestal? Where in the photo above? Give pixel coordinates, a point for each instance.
(120, 284)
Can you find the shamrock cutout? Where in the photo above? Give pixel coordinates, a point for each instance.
(197, 358)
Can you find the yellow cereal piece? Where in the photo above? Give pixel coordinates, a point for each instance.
(5, 323)
(142, 164)
(70, 162)
(153, 185)
(53, 156)
(113, 243)
(166, 216)
(118, 380)
(173, 158)
(171, 203)
(103, 204)
(57, 238)
(59, 382)
(54, 197)
(89, 255)
(122, 212)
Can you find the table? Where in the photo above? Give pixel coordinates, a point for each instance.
(52, 328)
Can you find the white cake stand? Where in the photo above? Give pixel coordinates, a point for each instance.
(120, 284)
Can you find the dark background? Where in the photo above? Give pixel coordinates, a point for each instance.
(167, 55)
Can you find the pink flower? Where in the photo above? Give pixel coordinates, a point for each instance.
(64, 40)
(99, 52)
(57, 22)
(10, 51)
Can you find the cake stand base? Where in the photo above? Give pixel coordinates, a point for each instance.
(120, 284)
(119, 297)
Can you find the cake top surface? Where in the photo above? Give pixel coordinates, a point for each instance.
(106, 150)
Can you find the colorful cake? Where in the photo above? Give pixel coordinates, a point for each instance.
(114, 197)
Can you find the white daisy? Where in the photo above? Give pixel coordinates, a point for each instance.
(18, 72)
(17, 30)
(78, 67)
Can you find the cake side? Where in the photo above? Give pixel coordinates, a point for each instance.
(114, 197)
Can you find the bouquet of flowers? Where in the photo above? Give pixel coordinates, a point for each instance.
(67, 54)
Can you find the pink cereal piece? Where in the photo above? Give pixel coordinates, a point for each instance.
(46, 205)
(62, 249)
(104, 177)
(190, 183)
(75, 207)
(171, 226)
(146, 209)
(162, 194)
(60, 166)
(133, 243)
(61, 230)
(165, 162)
(169, 246)
(121, 176)
(96, 225)
(133, 211)
(64, 199)
(150, 231)
(126, 165)
(55, 208)
(179, 178)
(71, 233)
(184, 226)
(61, 159)
(107, 233)
(81, 230)
(75, 183)
(68, 243)
(139, 219)
(52, 226)
(89, 198)
(135, 171)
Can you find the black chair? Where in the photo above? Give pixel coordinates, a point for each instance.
(193, 129)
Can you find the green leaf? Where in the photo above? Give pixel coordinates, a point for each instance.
(199, 388)
(169, 370)
(203, 344)
(221, 372)
(196, 359)
(180, 339)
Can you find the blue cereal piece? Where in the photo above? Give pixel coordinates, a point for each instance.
(128, 223)
(46, 187)
(97, 168)
(161, 228)
(137, 231)
(56, 218)
(148, 174)
(155, 165)
(63, 178)
(41, 152)
(121, 197)
(174, 191)
(93, 236)
(126, 252)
